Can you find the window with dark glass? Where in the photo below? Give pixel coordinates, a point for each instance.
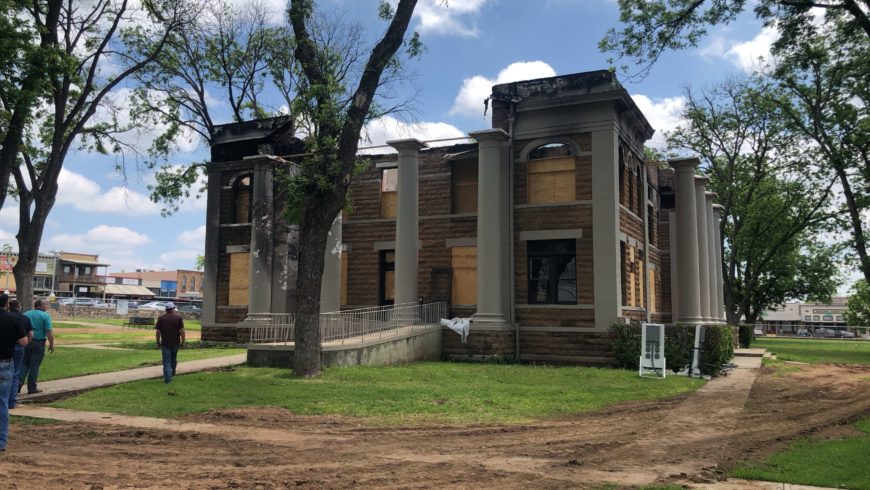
(242, 200)
(552, 272)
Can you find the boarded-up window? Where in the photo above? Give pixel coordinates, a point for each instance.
(551, 178)
(242, 200)
(463, 185)
(344, 277)
(652, 291)
(463, 260)
(240, 274)
(389, 196)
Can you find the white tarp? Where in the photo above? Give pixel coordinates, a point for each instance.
(458, 325)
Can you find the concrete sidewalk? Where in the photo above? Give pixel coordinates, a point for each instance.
(51, 389)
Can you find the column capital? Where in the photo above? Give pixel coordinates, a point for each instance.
(406, 146)
(489, 135)
(681, 164)
(702, 180)
(717, 208)
(711, 195)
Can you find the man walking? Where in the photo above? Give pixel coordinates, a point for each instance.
(15, 313)
(170, 337)
(11, 333)
(34, 353)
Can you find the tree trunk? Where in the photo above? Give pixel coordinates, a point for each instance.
(855, 220)
(313, 231)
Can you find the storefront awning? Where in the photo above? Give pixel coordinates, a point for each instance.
(127, 290)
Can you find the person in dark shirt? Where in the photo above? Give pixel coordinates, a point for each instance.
(15, 312)
(170, 337)
(11, 333)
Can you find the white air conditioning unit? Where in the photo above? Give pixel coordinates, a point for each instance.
(652, 350)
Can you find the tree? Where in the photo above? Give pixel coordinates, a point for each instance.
(774, 205)
(64, 77)
(199, 263)
(651, 27)
(319, 190)
(823, 94)
(858, 305)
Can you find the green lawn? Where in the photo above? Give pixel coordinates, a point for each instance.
(67, 362)
(817, 351)
(439, 392)
(837, 463)
(119, 322)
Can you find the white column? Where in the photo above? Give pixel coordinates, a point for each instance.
(490, 209)
(713, 264)
(703, 246)
(262, 217)
(720, 283)
(406, 219)
(688, 281)
(330, 288)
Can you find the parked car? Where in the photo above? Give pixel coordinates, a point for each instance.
(132, 305)
(824, 333)
(65, 301)
(758, 332)
(802, 333)
(153, 305)
(86, 302)
(845, 334)
(190, 308)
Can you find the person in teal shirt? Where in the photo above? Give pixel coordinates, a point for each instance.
(34, 353)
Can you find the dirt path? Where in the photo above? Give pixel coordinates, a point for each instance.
(273, 448)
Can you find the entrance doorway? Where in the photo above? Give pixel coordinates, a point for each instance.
(387, 278)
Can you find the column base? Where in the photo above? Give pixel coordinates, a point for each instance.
(691, 320)
(488, 319)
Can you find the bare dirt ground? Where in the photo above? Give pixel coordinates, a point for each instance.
(620, 444)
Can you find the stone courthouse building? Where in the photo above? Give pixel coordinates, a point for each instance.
(546, 230)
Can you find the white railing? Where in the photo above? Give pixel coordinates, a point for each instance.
(270, 327)
(378, 321)
(359, 324)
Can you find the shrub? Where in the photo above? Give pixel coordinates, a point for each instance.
(716, 350)
(746, 335)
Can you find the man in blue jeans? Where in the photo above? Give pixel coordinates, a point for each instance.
(11, 333)
(35, 351)
(170, 337)
(15, 312)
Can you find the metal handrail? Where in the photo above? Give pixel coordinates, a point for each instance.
(357, 324)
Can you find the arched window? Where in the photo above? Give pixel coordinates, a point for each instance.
(242, 199)
(551, 174)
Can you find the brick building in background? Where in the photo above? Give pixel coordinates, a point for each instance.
(545, 231)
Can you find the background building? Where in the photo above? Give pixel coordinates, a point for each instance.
(791, 317)
(174, 284)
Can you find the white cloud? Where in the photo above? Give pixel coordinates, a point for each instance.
(749, 55)
(86, 195)
(9, 215)
(663, 114)
(474, 90)
(185, 256)
(116, 106)
(194, 239)
(451, 18)
(116, 245)
(388, 128)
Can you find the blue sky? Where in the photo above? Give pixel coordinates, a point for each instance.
(471, 44)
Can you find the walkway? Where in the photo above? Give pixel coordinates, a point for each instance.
(51, 389)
